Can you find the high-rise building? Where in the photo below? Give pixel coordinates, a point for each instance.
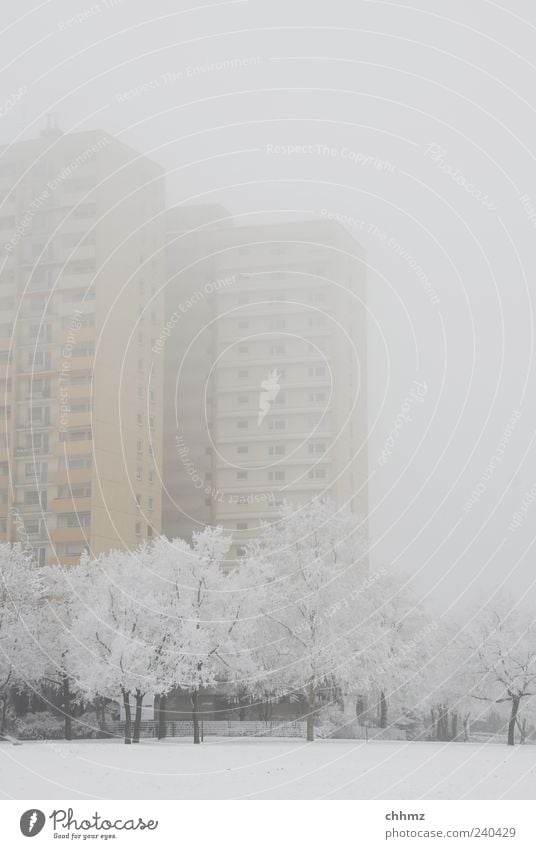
(270, 398)
(81, 224)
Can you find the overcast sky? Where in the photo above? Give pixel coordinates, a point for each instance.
(415, 120)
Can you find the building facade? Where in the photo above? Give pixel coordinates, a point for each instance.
(81, 224)
(272, 369)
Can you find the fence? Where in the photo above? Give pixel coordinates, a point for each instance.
(215, 728)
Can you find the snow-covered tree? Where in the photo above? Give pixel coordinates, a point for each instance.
(21, 593)
(306, 603)
(448, 675)
(399, 634)
(206, 609)
(123, 631)
(68, 591)
(504, 642)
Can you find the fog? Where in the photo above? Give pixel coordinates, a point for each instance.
(413, 126)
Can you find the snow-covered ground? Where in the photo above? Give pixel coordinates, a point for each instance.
(266, 769)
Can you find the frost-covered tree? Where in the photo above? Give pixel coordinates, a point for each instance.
(399, 634)
(21, 593)
(504, 643)
(307, 571)
(448, 676)
(206, 608)
(68, 591)
(122, 629)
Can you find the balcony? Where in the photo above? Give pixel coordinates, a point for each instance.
(71, 505)
(70, 535)
(68, 560)
(76, 390)
(69, 449)
(74, 364)
(81, 334)
(72, 476)
(29, 509)
(77, 419)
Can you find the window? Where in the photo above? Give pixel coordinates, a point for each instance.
(243, 324)
(277, 450)
(278, 350)
(242, 449)
(40, 415)
(150, 503)
(241, 476)
(39, 556)
(317, 398)
(276, 475)
(277, 424)
(75, 490)
(243, 398)
(316, 473)
(241, 526)
(78, 462)
(83, 351)
(74, 549)
(151, 475)
(243, 350)
(75, 436)
(317, 447)
(137, 527)
(243, 373)
(242, 424)
(139, 446)
(149, 532)
(74, 520)
(317, 371)
(31, 496)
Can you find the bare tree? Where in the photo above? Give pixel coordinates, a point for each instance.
(506, 650)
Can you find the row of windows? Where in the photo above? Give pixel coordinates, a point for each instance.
(278, 323)
(279, 475)
(280, 450)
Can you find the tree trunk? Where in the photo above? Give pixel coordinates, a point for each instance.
(522, 730)
(195, 715)
(433, 727)
(383, 710)
(466, 728)
(512, 722)
(100, 715)
(162, 730)
(311, 714)
(66, 703)
(137, 717)
(126, 703)
(454, 726)
(4, 714)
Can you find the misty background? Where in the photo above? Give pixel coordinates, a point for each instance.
(415, 127)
